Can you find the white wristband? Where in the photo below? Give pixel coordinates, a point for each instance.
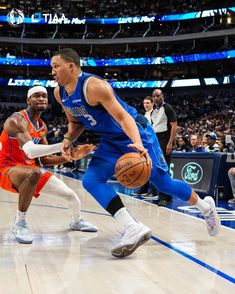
(37, 150)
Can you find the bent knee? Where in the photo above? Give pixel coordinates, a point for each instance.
(34, 175)
(68, 193)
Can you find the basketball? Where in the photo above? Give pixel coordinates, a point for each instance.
(132, 170)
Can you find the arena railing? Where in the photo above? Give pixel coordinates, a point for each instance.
(163, 39)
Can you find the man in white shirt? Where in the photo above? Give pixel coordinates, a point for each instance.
(164, 123)
(149, 107)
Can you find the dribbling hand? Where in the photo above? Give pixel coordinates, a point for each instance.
(142, 151)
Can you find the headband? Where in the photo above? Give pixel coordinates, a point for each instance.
(35, 90)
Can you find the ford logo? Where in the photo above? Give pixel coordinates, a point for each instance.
(192, 173)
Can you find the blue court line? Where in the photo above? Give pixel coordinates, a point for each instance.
(155, 239)
(201, 263)
(59, 207)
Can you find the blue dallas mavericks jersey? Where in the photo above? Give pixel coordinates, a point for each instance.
(95, 118)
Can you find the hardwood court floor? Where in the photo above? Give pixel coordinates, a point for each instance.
(180, 258)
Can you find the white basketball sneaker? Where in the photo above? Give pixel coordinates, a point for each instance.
(134, 236)
(22, 233)
(211, 218)
(82, 225)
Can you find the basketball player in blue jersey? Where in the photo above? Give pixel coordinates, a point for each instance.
(90, 102)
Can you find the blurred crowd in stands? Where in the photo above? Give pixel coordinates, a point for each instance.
(115, 8)
(197, 114)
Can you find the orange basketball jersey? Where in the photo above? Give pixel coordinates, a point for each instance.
(10, 150)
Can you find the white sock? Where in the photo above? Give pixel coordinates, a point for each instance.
(76, 218)
(123, 217)
(202, 205)
(20, 216)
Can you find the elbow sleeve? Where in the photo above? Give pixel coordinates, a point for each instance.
(37, 150)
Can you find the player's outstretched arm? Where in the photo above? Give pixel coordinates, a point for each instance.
(77, 153)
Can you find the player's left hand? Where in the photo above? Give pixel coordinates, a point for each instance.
(142, 151)
(66, 150)
(81, 151)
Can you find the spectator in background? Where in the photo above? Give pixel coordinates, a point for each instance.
(195, 143)
(56, 138)
(164, 123)
(183, 145)
(204, 141)
(212, 146)
(222, 145)
(149, 107)
(231, 175)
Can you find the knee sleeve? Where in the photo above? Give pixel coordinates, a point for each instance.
(165, 184)
(58, 189)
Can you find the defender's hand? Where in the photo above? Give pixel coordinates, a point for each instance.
(81, 151)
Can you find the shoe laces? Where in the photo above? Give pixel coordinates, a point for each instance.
(21, 223)
(210, 219)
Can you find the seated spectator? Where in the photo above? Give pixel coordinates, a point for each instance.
(212, 146)
(204, 142)
(196, 147)
(231, 175)
(222, 145)
(56, 138)
(183, 145)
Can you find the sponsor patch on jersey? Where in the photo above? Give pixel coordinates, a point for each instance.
(42, 133)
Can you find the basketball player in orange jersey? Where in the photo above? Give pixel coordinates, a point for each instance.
(19, 173)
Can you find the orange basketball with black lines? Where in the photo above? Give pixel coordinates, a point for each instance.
(132, 170)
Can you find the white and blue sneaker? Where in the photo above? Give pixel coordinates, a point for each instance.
(22, 233)
(134, 236)
(211, 218)
(83, 226)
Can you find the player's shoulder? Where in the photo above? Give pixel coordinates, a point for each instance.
(15, 122)
(16, 117)
(98, 84)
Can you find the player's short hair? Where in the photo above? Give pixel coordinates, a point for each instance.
(69, 55)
